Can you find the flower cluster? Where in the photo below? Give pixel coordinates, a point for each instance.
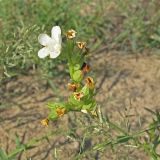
(81, 86)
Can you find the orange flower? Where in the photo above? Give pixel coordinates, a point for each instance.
(78, 95)
(90, 82)
(73, 87)
(81, 45)
(86, 68)
(71, 34)
(45, 122)
(60, 111)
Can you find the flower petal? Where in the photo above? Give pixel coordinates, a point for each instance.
(56, 34)
(54, 54)
(44, 52)
(84, 111)
(44, 39)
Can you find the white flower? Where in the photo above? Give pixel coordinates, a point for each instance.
(52, 45)
(84, 111)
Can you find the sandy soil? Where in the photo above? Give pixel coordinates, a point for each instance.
(126, 84)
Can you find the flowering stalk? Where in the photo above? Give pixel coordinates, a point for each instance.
(81, 85)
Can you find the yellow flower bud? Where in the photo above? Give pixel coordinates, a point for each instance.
(72, 86)
(94, 113)
(60, 111)
(90, 82)
(86, 68)
(45, 122)
(78, 95)
(81, 45)
(71, 34)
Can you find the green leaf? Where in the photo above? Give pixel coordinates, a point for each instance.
(53, 115)
(3, 155)
(54, 105)
(17, 141)
(77, 76)
(77, 105)
(85, 90)
(77, 58)
(77, 67)
(87, 106)
(123, 139)
(16, 151)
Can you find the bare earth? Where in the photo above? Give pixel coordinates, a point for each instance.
(126, 84)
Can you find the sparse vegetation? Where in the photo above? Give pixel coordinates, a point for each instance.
(27, 82)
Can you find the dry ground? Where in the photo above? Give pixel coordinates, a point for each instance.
(126, 84)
